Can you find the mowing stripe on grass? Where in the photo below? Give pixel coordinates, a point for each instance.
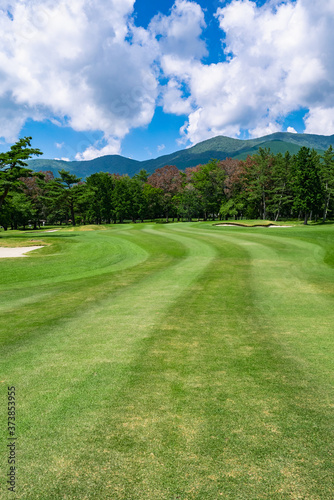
(105, 336)
(170, 379)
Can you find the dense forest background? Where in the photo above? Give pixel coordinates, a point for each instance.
(264, 185)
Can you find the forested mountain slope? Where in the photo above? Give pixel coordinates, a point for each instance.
(218, 148)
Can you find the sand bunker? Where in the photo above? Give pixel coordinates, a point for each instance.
(257, 225)
(6, 253)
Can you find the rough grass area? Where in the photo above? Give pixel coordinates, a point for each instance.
(11, 242)
(172, 361)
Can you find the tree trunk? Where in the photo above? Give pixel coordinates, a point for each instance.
(3, 196)
(72, 215)
(264, 205)
(305, 219)
(326, 208)
(280, 202)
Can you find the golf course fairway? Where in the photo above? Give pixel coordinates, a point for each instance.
(169, 361)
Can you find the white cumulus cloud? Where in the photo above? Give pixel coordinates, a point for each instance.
(92, 151)
(179, 32)
(320, 121)
(82, 64)
(86, 65)
(279, 59)
(64, 158)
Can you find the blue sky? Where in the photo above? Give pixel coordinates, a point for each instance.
(144, 79)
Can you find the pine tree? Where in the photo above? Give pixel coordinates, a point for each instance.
(327, 178)
(12, 166)
(307, 184)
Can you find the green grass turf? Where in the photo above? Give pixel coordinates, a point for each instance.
(180, 361)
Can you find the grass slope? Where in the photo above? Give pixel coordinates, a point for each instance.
(181, 361)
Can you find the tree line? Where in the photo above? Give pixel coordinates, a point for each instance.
(265, 186)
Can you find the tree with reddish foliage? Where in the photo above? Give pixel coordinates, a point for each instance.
(190, 171)
(234, 203)
(233, 171)
(169, 179)
(36, 189)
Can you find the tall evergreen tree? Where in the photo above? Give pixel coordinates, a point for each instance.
(101, 186)
(258, 180)
(153, 201)
(327, 178)
(13, 166)
(122, 198)
(281, 197)
(69, 192)
(307, 185)
(209, 182)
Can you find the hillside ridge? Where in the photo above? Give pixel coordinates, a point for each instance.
(219, 147)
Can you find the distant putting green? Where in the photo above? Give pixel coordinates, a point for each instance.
(180, 361)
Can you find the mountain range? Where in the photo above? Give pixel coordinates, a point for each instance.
(219, 148)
